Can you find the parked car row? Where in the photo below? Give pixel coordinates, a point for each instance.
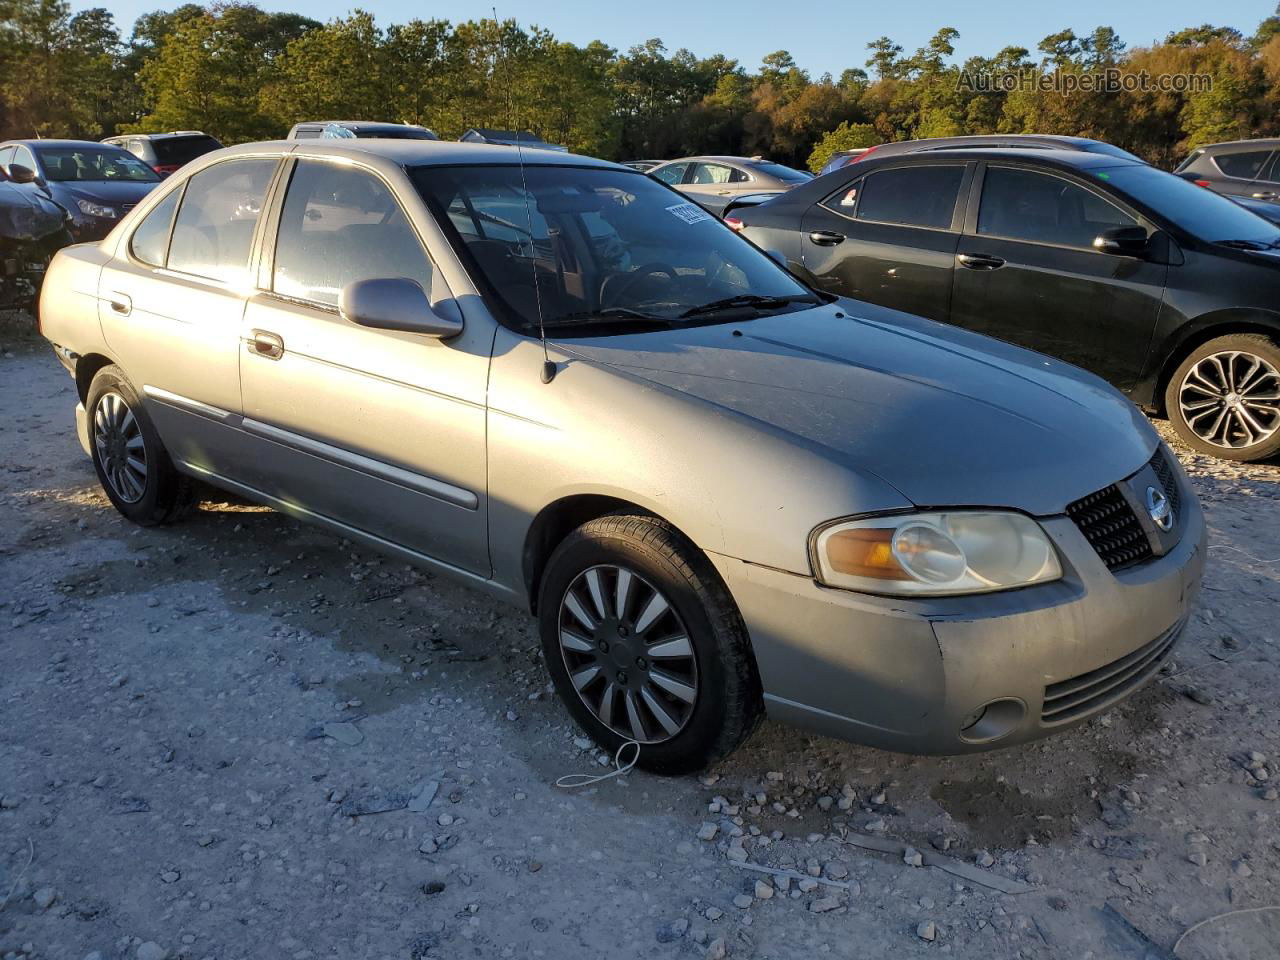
(722, 491)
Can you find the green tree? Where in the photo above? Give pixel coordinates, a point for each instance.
(847, 136)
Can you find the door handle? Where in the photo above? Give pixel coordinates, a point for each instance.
(723, 193)
(979, 261)
(267, 344)
(1264, 195)
(121, 303)
(826, 238)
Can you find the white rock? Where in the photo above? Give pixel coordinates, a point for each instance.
(763, 891)
(927, 930)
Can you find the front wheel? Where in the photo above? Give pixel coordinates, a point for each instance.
(644, 643)
(132, 464)
(1224, 399)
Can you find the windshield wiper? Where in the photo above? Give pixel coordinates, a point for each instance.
(743, 300)
(605, 313)
(1246, 244)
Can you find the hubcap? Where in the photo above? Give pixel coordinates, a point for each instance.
(121, 450)
(1231, 399)
(628, 654)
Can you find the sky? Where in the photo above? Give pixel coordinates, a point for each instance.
(821, 37)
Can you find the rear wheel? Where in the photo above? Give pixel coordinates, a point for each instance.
(644, 643)
(132, 465)
(1224, 399)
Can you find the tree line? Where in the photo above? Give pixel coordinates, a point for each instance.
(242, 73)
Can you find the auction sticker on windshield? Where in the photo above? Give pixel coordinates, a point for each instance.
(689, 212)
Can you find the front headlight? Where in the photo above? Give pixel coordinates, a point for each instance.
(935, 554)
(96, 209)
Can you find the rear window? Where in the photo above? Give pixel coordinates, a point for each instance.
(180, 150)
(918, 196)
(1245, 166)
(786, 174)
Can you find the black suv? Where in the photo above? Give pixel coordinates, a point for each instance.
(165, 153)
(1167, 290)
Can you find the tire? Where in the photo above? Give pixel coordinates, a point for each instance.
(145, 488)
(646, 664)
(1248, 430)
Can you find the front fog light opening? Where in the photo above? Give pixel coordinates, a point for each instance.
(993, 720)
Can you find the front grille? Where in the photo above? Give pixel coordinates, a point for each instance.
(1093, 691)
(1108, 523)
(1168, 479)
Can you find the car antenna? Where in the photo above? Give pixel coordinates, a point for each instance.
(548, 368)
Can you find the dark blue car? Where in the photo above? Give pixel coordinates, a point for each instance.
(96, 183)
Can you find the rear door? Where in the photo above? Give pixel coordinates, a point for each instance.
(1027, 272)
(713, 185)
(1240, 173)
(889, 237)
(170, 302)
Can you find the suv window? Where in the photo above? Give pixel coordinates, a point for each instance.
(712, 173)
(150, 241)
(1026, 205)
(672, 174)
(917, 196)
(340, 225)
(214, 227)
(171, 151)
(1244, 166)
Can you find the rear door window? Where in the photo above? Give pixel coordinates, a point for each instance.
(150, 241)
(340, 225)
(1243, 166)
(915, 196)
(711, 173)
(1038, 207)
(213, 232)
(179, 150)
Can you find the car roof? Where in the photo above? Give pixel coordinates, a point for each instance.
(419, 153)
(1265, 142)
(53, 143)
(1064, 158)
(715, 158)
(362, 124)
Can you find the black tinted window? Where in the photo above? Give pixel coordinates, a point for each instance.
(1202, 213)
(341, 225)
(1026, 205)
(917, 196)
(150, 241)
(1245, 165)
(214, 228)
(785, 174)
(180, 150)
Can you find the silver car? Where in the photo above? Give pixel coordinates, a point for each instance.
(715, 182)
(721, 492)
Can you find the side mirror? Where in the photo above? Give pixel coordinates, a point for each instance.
(1122, 241)
(394, 303)
(22, 174)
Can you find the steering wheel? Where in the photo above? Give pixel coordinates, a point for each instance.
(627, 281)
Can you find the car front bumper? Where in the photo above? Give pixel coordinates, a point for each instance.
(909, 675)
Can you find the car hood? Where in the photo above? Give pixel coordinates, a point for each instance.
(947, 417)
(25, 214)
(112, 193)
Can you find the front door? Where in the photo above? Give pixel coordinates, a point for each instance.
(889, 237)
(1028, 273)
(379, 430)
(170, 305)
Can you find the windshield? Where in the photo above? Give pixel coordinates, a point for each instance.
(785, 174)
(1200, 212)
(602, 245)
(62, 164)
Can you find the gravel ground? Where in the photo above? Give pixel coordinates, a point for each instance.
(217, 740)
